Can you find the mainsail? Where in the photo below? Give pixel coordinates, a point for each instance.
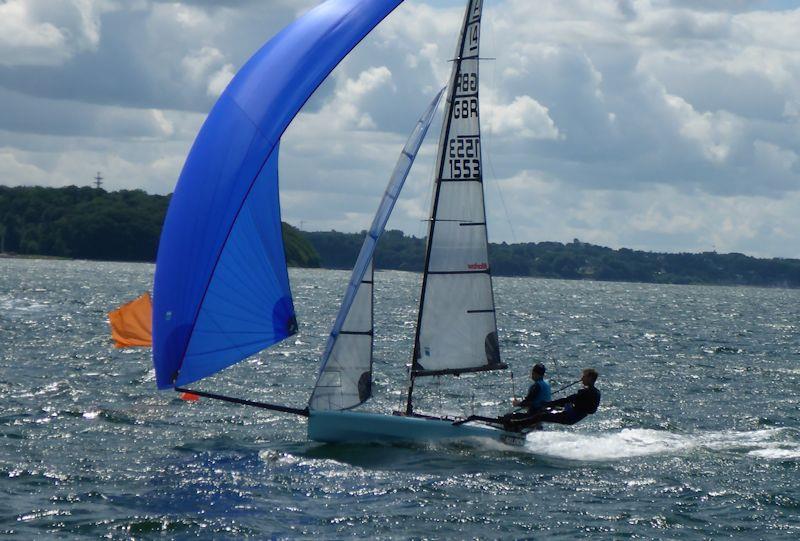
(345, 377)
(221, 289)
(457, 329)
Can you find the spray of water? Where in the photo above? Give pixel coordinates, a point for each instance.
(780, 444)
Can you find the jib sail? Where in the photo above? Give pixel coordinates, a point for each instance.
(345, 377)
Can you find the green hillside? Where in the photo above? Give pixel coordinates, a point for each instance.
(90, 223)
(576, 260)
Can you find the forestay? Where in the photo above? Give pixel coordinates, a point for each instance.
(221, 289)
(345, 377)
(457, 330)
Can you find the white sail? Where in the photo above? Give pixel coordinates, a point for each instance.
(457, 329)
(346, 380)
(345, 377)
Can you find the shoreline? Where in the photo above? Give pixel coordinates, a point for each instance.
(8, 255)
(5, 255)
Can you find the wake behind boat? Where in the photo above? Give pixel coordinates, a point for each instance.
(221, 290)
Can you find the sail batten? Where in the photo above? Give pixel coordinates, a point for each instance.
(345, 375)
(456, 327)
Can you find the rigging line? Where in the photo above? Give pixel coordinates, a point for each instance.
(567, 386)
(439, 391)
(421, 230)
(489, 139)
(500, 193)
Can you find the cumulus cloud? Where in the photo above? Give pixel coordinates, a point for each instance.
(38, 32)
(523, 117)
(714, 133)
(24, 40)
(219, 80)
(25, 174)
(345, 110)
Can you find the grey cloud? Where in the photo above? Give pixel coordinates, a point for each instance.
(672, 27)
(21, 113)
(730, 6)
(138, 61)
(749, 95)
(627, 8)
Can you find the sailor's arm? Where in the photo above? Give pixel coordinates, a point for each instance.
(562, 401)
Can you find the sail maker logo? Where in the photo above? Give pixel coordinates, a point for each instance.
(477, 266)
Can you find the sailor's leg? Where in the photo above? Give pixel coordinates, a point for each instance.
(522, 421)
(514, 416)
(563, 418)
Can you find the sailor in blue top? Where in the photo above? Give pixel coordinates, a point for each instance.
(538, 393)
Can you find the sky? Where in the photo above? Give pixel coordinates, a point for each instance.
(661, 125)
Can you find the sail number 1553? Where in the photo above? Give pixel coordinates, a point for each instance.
(464, 158)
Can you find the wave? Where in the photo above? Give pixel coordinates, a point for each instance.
(776, 443)
(778, 452)
(11, 304)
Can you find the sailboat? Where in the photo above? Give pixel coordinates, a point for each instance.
(221, 288)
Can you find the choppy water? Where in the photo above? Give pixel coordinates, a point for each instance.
(697, 437)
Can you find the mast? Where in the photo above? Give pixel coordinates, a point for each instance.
(456, 326)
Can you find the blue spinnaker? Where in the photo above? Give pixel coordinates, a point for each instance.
(221, 290)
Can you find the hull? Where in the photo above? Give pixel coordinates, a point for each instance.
(348, 426)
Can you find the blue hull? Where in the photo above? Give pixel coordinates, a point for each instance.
(348, 426)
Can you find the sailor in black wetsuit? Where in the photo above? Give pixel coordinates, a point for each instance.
(576, 406)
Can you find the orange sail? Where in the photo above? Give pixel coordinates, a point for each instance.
(132, 323)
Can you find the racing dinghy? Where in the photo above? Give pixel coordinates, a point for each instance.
(221, 288)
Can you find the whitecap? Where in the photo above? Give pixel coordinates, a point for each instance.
(777, 453)
(607, 446)
(629, 443)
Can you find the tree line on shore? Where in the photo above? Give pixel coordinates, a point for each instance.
(573, 261)
(91, 223)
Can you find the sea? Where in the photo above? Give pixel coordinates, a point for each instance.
(697, 436)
